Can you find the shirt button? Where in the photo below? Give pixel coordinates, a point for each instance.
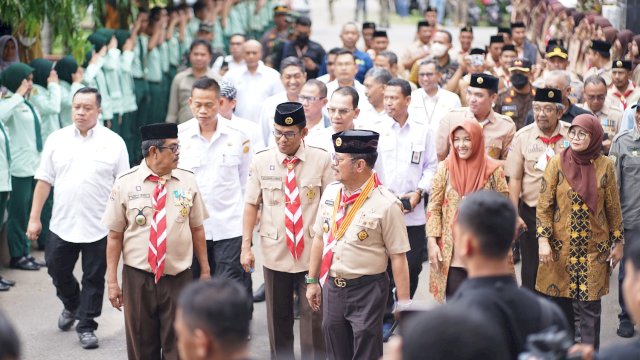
(338, 258)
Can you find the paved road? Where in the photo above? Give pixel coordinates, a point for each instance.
(34, 308)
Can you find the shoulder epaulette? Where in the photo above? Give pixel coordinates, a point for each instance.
(128, 172)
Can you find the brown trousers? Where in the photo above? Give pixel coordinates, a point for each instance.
(149, 311)
(279, 289)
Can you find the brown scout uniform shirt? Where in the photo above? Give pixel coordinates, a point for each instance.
(525, 152)
(610, 118)
(498, 132)
(376, 231)
(266, 186)
(515, 105)
(132, 193)
(616, 98)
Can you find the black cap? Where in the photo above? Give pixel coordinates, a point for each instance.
(555, 50)
(424, 23)
(621, 64)
(520, 65)
(548, 95)
(517, 24)
(555, 42)
(504, 30)
(602, 47)
(484, 81)
(496, 39)
(466, 29)
(508, 47)
(368, 25)
(380, 33)
(159, 131)
(289, 114)
(355, 141)
(430, 8)
(477, 51)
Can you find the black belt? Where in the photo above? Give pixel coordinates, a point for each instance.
(362, 280)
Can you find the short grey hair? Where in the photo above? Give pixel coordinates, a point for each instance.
(391, 56)
(379, 75)
(147, 144)
(559, 74)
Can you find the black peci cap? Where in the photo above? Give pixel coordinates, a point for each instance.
(356, 141)
(159, 132)
(484, 81)
(548, 95)
(289, 114)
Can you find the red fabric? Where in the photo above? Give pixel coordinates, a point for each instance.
(578, 167)
(293, 211)
(550, 141)
(158, 233)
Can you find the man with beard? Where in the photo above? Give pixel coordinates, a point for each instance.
(515, 101)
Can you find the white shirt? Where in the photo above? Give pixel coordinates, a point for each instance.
(326, 78)
(221, 167)
(431, 109)
(267, 113)
(246, 127)
(408, 161)
(82, 170)
(253, 89)
(232, 64)
(363, 103)
(369, 119)
(321, 139)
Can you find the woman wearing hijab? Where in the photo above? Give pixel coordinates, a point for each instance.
(70, 76)
(23, 124)
(46, 95)
(579, 227)
(8, 51)
(465, 170)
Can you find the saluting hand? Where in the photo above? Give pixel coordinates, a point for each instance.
(314, 296)
(115, 296)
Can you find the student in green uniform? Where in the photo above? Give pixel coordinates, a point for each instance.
(111, 71)
(94, 75)
(23, 124)
(155, 76)
(141, 87)
(70, 76)
(127, 116)
(5, 188)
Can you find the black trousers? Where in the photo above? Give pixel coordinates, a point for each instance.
(529, 247)
(630, 236)
(61, 257)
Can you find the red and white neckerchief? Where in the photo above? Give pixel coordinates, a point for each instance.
(293, 211)
(549, 153)
(623, 97)
(158, 233)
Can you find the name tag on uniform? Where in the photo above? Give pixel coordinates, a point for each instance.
(416, 154)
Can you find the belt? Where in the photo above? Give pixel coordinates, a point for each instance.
(139, 78)
(362, 280)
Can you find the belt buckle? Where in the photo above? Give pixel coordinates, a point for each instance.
(340, 282)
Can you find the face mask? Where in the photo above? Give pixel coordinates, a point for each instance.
(302, 40)
(438, 50)
(519, 81)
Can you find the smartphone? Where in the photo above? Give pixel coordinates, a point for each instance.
(406, 204)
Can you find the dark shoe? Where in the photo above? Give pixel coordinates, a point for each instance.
(7, 282)
(66, 320)
(36, 261)
(258, 295)
(88, 340)
(23, 264)
(4, 287)
(625, 329)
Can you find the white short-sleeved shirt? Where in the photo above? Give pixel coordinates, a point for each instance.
(253, 89)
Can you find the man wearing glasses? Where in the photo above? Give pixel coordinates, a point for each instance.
(343, 110)
(313, 98)
(610, 116)
(287, 180)
(532, 148)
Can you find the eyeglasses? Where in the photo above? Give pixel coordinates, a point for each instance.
(309, 99)
(546, 109)
(289, 134)
(580, 135)
(342, 112)
(337, 160)
(595, 97)
(174, 148)
(426, 74)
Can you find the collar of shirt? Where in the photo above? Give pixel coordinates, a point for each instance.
(259, 70)
(145, 172)
(192, 129)
(90, 132)
(485, 281)
(300, 154)
(561, 128)
(629, 90)
(491, 117)
(435, 97)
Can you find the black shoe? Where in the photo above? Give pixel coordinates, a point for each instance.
(88, 340)
(625, 329)
(4, 287)
(258, 295)
(36, 261)
(66, 320)
(23, 264)
(7, 282)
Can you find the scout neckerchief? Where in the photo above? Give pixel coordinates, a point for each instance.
(341, 221)
(158, 232)
(36, 125)
(623, 97)
(293, 211)
(549, 142)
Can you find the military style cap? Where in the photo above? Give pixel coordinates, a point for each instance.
(621, 64)
(356, 141)
(496, 39)
(423, 23)
(368, 25)
(504, 30)
(466, 29)
(508, 47)
(602, 47)
(517, 24)
(289, 113)
(477, 51)
(159, 131)
(520, 65)
(548, 95)
(280, 10)
(556, 50)
(484, 81)
(380, 33)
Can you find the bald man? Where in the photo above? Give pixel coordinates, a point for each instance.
(254, 81)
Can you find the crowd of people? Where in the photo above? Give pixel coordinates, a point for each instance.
(193, 139)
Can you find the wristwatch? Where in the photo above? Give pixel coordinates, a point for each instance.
(420, 192)
(310, 280)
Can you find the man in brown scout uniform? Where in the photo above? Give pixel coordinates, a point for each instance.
(595, 101)
(498, 130)
(532, 147)
(359, 228)
(622, 92)
(287, 181)
(155, 218)
(515, 101)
